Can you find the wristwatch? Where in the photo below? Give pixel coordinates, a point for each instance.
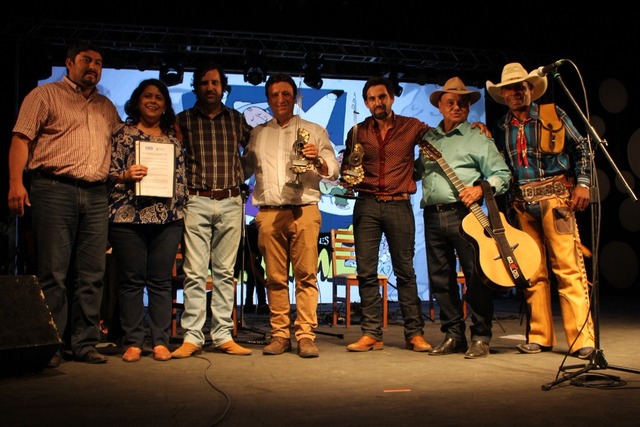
(319, 162)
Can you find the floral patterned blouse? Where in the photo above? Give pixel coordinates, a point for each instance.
(124, 205)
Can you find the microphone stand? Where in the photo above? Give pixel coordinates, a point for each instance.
(244, 193)
(597, 360)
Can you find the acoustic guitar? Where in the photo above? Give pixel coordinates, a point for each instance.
(476, 227)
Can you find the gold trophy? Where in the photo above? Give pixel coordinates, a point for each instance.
(354, 174)
(299, 164)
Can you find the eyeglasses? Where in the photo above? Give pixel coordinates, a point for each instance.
(463, 103)
(516, 87)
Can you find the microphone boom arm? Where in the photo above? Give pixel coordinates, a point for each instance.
(596, 359)
(602, 144)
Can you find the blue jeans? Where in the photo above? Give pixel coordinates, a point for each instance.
(144, 255)
(395, 219)
(443, 240)
(212, 235)
(70, 233)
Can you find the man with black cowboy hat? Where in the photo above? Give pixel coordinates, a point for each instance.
(551, 182)
(472, 156)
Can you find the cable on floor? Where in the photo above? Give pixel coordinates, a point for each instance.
(598, 381)
(222, 392)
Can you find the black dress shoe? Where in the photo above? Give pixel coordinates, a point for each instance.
(478, 349)
(93, 357)
(448, 346)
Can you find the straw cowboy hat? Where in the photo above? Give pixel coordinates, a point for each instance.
(515, 73)
(454, 85)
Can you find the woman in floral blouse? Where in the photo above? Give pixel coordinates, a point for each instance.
(145, 231)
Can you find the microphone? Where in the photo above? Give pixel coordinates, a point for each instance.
(543, 71)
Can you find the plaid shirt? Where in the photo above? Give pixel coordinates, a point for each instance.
(213, 147)
(573, 161)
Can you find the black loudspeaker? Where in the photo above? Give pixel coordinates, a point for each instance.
(28, 335)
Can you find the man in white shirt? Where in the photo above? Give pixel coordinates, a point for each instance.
(289, 156)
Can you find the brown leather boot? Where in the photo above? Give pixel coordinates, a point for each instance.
(307, 348)
(186, 350)
(231, 347)
(418, 343)
(278, 345)
(365, 344)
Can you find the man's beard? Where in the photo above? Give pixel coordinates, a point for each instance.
(380, 114)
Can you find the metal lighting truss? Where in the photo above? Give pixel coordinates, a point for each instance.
(136, 46)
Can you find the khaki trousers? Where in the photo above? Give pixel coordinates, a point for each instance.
(290, 237)
(553, 226)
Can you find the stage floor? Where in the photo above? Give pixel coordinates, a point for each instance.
(392, 387)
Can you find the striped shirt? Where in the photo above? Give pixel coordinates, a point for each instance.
(269, 155)
(213, 147)
(573, 161)
(69, 134)
(388, 163)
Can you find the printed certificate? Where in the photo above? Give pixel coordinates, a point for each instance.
(160, 159)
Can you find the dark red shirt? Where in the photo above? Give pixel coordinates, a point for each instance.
(388, 163)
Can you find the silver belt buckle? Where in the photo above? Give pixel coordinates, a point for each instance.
(528, 193)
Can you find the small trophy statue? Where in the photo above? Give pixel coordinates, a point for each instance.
(354, 174)
(299, 164)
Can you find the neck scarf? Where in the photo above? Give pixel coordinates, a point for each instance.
(521, 140)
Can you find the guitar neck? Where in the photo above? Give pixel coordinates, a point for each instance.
(475, 207)
(509, 271)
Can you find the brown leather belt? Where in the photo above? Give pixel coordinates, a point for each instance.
(558, 186)
(216, 194)
(385, 198)
(445, 207)
(282, 207)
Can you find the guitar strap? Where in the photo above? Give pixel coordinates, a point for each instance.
(506, 253)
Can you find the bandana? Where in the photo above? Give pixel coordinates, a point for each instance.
(521, 140)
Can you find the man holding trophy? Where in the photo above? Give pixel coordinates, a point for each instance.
(289, 156)
(378, 163)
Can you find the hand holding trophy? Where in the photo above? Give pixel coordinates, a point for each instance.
(354, 174)
(299, 164)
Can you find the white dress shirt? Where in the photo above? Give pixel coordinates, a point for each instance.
(269, 156)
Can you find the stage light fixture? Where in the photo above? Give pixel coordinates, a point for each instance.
(312, 71)
(254, 69)
(142, 63)
(422, 77)
(171, 75)
(393, 78)
(254, 75)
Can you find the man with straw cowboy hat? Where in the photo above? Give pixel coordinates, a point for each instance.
(473, 157)
(551, 167)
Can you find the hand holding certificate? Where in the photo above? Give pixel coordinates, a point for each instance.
(160, 159)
